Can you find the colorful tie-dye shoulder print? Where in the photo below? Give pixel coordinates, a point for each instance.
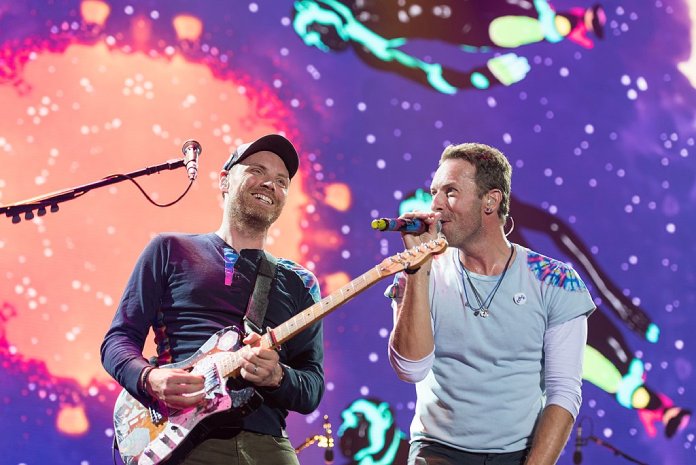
(310, 281)
(554, 273)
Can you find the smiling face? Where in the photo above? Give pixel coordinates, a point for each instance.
(257, 189)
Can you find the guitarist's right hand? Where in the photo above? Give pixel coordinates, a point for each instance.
(175, 387)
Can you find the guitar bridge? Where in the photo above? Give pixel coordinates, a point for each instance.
(155, 415)
(211, 381)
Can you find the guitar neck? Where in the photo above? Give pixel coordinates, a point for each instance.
(231, 363)
(319, 310)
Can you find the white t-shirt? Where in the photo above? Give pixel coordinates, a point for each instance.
(485, 389)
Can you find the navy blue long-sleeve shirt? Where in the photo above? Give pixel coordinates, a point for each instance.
(180, 287)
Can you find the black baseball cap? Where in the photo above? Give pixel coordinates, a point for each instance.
(271, 142)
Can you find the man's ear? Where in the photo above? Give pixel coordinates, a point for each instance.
(224, 181)
(492, 199)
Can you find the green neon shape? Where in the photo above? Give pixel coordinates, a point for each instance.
(420, 201)
(480, 81)
(350, 29)
(598, 370)
(473, 49)
(547, 17)
(380, 419)
(514, 31)
(630, 382)
(602, 373)
(653, 333)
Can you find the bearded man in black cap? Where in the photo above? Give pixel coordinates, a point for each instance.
(188, 287)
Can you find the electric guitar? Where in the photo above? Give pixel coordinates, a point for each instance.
(150, 435)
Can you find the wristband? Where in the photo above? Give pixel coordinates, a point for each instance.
(143, 377)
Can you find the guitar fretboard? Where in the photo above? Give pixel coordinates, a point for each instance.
(230, 362)
(307, 317)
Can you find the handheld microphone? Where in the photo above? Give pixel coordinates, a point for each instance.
(191, 150)
(408, 226)
(577, 454)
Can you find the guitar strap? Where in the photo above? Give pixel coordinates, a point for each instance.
(258, 302)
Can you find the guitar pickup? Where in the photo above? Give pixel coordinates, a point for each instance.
(149, 453)
(169, 442)
(211, 382)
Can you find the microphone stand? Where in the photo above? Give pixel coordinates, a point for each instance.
(616, 451)
(51, 201)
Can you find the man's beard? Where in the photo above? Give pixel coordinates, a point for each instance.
(460, 235)
(248, 217)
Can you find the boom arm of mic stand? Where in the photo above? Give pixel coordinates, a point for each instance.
(325, 441)
(308, 442)
(616, 451)
(52, 200)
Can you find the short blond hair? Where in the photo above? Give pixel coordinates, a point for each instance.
(493, 170)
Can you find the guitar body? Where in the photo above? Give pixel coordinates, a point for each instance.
(148, 436)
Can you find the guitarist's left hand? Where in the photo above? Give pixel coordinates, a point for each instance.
(262, 366)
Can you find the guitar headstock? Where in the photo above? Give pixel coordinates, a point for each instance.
(413, 257)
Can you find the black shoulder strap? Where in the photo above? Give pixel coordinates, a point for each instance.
(258, 302)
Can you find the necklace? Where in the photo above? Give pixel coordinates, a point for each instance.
(484, 305)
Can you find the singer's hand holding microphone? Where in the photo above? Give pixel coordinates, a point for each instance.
(413, 224)
(415, 228)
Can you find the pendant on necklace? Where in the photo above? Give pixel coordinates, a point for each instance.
(481, 311)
